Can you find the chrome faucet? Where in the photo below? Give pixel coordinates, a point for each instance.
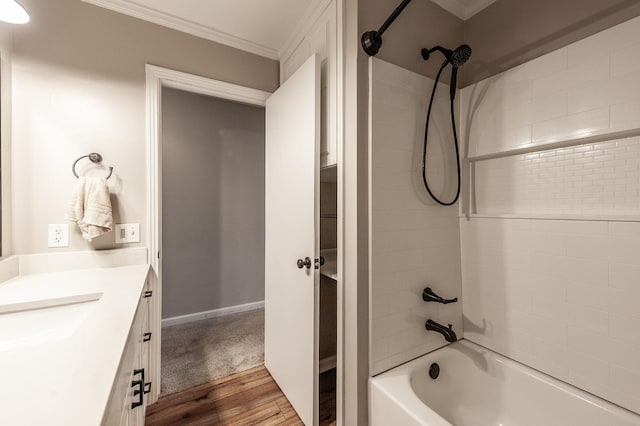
(448, 333)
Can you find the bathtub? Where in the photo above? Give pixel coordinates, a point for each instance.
(478, 387)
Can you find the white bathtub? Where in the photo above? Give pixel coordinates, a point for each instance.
(478, 387)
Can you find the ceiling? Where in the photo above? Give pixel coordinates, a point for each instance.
(263, 27)
(463, 9)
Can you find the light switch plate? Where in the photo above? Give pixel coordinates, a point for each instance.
(58, 235)
(127, 233)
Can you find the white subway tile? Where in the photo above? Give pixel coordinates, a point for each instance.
(589, 271)
(625, 60)
(624, 354)
(404, 300)
(615, 91)
(590, 368)
(595, 70)
(625, 380)
(552, 358)
(612, 39)
(625, 250)
(380, 349)
(588, 342)
(545, 65)
(624, 276)
(547, 107)
(623, 302)
(625, 115)
(588, 296)
(549, 329)
(590, 247)
(573, 126)
(624, 328)
(587, 318)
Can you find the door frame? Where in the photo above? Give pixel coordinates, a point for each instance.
(157, 78)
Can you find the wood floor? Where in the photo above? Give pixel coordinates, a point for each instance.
(247, 398)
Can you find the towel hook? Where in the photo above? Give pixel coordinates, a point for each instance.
(94, 157)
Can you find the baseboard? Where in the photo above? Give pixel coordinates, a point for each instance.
(183, 319)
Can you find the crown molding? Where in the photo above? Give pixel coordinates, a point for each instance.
(310, 17)
(186, 26)
(458, 8)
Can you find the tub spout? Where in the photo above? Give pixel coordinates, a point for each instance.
(448, 333)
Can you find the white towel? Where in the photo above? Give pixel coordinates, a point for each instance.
(90, 207)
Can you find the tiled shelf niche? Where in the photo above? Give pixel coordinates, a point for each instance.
(596, 177)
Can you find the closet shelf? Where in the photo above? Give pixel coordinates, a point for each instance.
(330, 267)
(567, 143)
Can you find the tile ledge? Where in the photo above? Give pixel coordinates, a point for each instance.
(576, 217)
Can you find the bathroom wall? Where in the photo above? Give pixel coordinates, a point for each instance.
(5, 137)
(414, 243)
(421, 24)
(79, 86)
(212, 203)
(510, 32)
(550, 250)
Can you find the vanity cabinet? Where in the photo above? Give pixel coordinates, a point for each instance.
(126, 405)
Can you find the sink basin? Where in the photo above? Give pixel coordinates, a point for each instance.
(42, 321)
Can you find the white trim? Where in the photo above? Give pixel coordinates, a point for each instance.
(157, 78)
(213, 313)
(340, 171)
(456, 7)
(170, 21)
(301, 30)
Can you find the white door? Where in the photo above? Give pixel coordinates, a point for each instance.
(292, 172)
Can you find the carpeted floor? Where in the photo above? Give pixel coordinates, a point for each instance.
(203, 351)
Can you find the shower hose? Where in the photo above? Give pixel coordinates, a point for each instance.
(455, 141)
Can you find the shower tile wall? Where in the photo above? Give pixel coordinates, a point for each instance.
(561, 295)
(414, 244)
(591, 179)
(589, 87)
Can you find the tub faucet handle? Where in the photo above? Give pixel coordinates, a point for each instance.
(429, 296)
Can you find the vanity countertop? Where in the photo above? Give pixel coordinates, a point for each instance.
(66, 380)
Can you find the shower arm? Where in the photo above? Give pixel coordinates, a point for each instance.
(372, 40)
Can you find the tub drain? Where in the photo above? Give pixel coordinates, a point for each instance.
(434, 371)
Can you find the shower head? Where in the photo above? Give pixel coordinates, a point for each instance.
(461, 55)
(457, 57)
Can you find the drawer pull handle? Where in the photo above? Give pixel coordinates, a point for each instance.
(148, 294)
(147, 337)
(147, 388)
(138, 392)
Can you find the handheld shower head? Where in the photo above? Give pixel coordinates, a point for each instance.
(460, 56)
(457, 57)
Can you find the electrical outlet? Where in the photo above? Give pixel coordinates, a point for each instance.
(58, 235)
(127, 233)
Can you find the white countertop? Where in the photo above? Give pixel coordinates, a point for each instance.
(68, 381)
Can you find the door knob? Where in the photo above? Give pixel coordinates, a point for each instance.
(302, 263)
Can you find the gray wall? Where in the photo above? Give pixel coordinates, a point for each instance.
(511, 32)
(78, 87)
(212, 203)
(421, 24)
